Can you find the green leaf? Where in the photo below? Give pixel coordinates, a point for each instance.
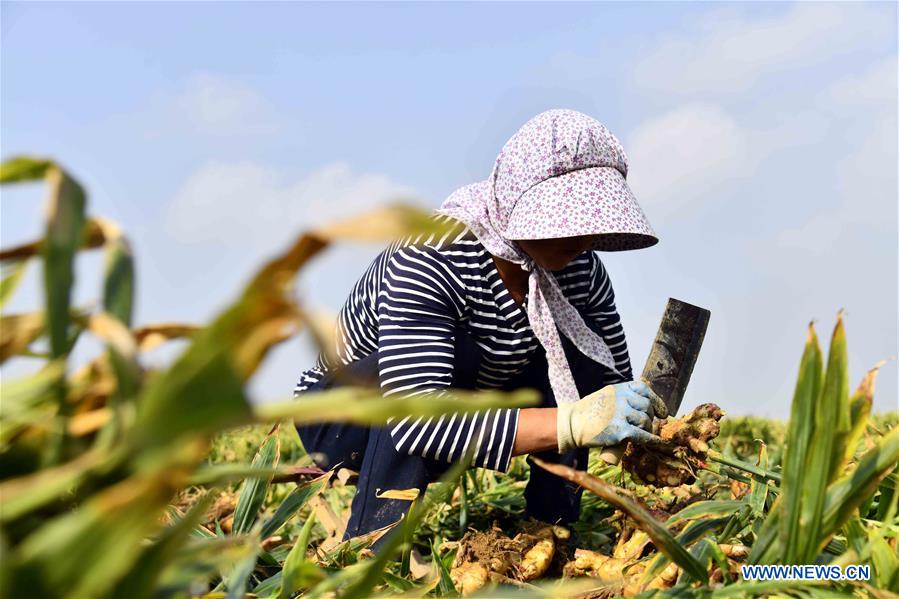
(398, 584)
(253, 491)
(297, 570)
(769, 588)
(800, 431)
(28, 493)
(436, 495)
(826, 448)
(294, 503)
(692, 532)
(660, 535)
(23, 394)
(201, 559)
(113, 524)
(236, 581)
(65, 223)
(361, 405)
(118, 286)
(24, 168)
(200, 394)
(270, 587)
(704, 552)
(445, 585)
(142, 579)
(222, 473)
(758, 490)
(11, 281)
(885, 562)
(847, 493)
(887, 502)
(767, 548)
(860, 409)
(835, 397)
(856, 536)
(706, 509)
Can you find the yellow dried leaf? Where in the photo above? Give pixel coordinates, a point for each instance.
(17, 331)
(404, 494)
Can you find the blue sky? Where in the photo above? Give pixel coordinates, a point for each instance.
(762, 140)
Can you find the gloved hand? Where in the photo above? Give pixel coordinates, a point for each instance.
(609, 416)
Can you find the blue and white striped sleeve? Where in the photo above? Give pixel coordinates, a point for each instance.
(601, 315)
(419, 305)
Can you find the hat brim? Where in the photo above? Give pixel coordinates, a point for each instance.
(588, 201)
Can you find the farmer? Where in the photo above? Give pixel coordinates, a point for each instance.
(512, 297)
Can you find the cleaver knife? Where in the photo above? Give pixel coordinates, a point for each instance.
(671, 359)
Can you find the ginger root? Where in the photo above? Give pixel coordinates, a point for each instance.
(468, 578)
(535, 561)
(687, 443)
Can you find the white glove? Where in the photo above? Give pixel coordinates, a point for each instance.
(609, 416)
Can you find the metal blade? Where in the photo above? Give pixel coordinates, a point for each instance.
(674, 351)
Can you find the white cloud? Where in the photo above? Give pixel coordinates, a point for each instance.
(677, 158)
(247, 203)
(867, 172)
(214, 106)
(728, 54)
(876, 85)
(217, 105)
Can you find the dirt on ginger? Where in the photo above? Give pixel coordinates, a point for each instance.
(479, 555)
(686, 445)
(483, 556)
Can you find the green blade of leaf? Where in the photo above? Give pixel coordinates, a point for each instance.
(860, 409)
(706, 509)
(767, 548)
(758, 489)
(360, 405)
(28, 493)
(836, 383)
(691, 533)
(886, 507)
(296, 572)
(799, 434)
(24, 168)
(437, 494)
(294, 503)
(253, 491)
(10, 282)
(658, 533)
(827, 446)
(118, 285)
(143, 576)
(223, 473)
(848, 492)
(236, 582)
(65, 223)
(113, 523)
(25, 393)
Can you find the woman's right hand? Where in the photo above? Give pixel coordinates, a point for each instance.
(609, 416)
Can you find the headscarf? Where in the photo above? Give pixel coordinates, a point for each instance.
(561, 175)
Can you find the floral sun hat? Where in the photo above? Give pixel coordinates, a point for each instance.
(561, 175)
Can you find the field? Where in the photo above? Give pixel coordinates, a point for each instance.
(117, 480)
(496, 500)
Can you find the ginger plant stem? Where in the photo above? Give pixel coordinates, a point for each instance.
(717, 456)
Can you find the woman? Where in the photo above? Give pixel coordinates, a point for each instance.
(482, 307)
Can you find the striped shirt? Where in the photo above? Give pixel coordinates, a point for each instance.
(408, 305)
